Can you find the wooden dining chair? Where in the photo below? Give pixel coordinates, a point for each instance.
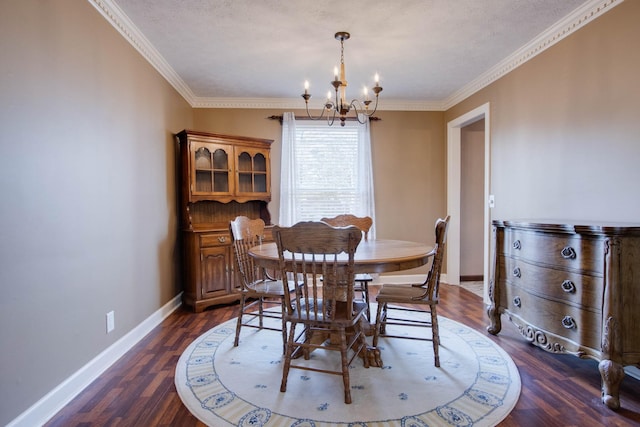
(255, 284)
(362, 280)
(396, 298)
(311, 251)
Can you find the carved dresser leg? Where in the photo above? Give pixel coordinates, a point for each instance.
(612, 374)
(493, 311)
(611, 371)
(495, 323)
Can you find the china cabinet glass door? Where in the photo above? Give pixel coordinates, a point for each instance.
(211, 170)
(252, 172)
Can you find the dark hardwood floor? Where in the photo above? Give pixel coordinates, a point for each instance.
(138, 390)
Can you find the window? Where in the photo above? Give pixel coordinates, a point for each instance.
(326, 170)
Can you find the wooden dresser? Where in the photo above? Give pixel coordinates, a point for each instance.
(571, 288)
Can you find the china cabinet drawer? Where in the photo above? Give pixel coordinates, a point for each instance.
(215, 239)
(559, 285)
(556, 250)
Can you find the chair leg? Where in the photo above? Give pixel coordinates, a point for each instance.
(365, 287)
(308, 336)
(436, 335)
(383, 318)
(239, 323)
(284, 329)
(260, 311)
(378, 327)
(362, 347)
(345, 365)
(287, 357)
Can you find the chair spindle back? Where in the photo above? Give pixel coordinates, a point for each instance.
(322, 257)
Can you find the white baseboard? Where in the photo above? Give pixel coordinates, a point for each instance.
(632, 371)
(41, 411)
(407, 278)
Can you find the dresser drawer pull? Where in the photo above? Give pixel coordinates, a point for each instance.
(568, 253)
(568, 322)
(517, 272)
(222, 239)
(517, 245)
(517, 302)
(568, 287)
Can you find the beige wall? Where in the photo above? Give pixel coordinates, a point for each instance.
(87, 222)
(87, 219)
(564, 126)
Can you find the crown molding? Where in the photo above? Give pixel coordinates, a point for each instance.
(297, 104)
(563, 28)
(121, 22)
(408, 105)
(264, 103)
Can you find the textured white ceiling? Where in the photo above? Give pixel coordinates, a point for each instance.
(424, 50)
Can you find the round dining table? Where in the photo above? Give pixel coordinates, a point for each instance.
(372, 256)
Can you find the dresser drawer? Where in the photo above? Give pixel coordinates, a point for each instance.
(563, 251)
(561, 285)
(582, 326)
(221, 238)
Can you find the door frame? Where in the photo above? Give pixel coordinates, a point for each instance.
(454, 170)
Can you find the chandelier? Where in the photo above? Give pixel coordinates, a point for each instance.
(339, 104)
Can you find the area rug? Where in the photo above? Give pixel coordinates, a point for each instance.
(477, 383)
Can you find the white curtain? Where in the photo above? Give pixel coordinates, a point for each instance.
(287, 172)
(289, 201)
(365, 176)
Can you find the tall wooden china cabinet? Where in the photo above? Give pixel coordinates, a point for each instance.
(220, 177)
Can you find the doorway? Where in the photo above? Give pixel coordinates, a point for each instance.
(454, 190)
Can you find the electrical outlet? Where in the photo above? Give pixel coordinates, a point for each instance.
(111, 321)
